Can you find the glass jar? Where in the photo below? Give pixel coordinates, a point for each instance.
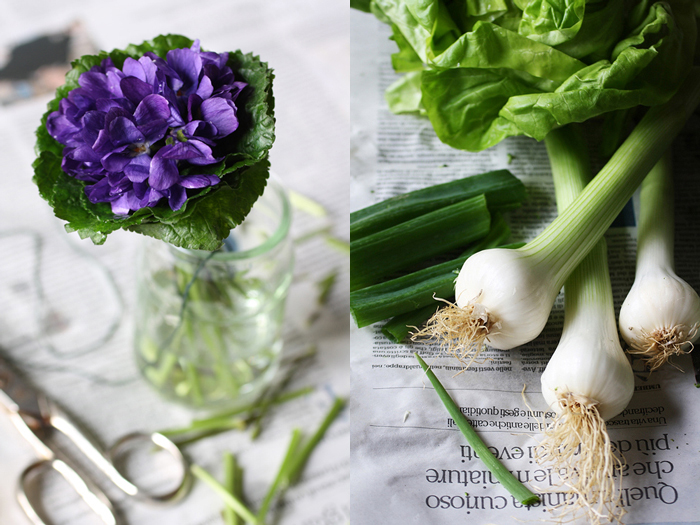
(208, 325)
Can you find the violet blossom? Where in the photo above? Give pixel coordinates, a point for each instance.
(129, 133)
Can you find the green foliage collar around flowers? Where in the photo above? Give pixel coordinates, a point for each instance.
(208, 215)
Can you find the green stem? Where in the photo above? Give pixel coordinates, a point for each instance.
(281, 474)
(565, 242)
(227, 420)
(232, 483)
(230, 500)
(295, 469)
(509, 482)
(655, 230)
(588, 292)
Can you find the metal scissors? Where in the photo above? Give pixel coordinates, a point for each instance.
(38, 418)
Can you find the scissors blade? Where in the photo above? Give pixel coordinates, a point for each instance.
(20, 397)
(28, 408)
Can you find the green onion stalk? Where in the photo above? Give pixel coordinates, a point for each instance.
(588, 379)
(505, 296)
(501, 473)
(660, 316)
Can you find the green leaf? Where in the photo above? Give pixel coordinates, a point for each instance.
(209, 214)
(490, 46)
(495, 69)
(406, 59)
(404, 95)
(601, 29)
(552, 22)
(207, 222)
(464, 104)
(426, 25)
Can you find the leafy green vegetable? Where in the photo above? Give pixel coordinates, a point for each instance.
(208, 215)
(497, 69)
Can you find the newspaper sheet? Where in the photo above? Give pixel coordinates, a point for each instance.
(410, 464)
(66, 304)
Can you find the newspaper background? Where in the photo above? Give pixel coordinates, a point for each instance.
(88, 290)
(409, 464)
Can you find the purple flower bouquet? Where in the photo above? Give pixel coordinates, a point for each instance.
(172, 142)
(162, 138)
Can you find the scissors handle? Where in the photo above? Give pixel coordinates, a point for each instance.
(106, 463)
(178, 490)
(89, 492)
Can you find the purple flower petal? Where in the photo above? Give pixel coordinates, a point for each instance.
(84, 153)
(134, 68)
(163, 172)
(123, 131)
(138, 169)
(116, 161)
(205, 154)
(221, 113)
(98, 192)
(154, 131)
(187, 63)
(199, 181)
(60, 128)
(180, 151)
(151, 197)
(114, 112)
(203, 131)
(177, 197)
(205, 88)
(152, 107)
(135, 90)
(122, 103)
(120, 206)
(94, 85)
(216, 59)
(93, 122)
(194, 102)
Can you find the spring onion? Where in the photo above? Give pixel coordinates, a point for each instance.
(398, 328)
(661, 314)
(588, 379)
(505, 296)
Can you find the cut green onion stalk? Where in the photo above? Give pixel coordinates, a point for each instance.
(502, 189)
(376, 257)
(661, 314)
(509, 482)
(505, 296)
(418, 289)
(588, 379)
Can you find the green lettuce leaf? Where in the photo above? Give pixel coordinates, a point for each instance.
(209, 214)
(404, 95)
(552, 22)
(486, 77)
